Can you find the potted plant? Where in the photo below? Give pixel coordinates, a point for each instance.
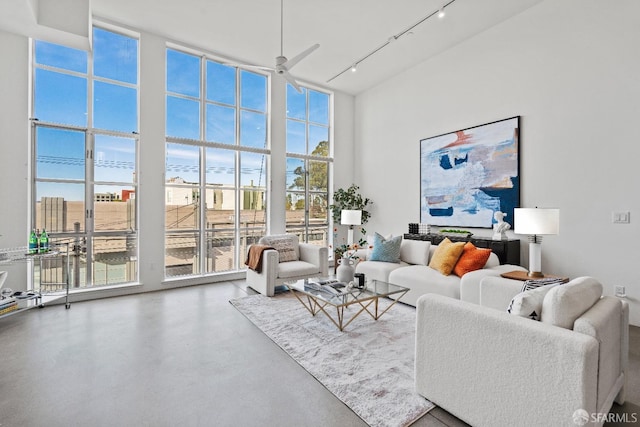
(349, 199)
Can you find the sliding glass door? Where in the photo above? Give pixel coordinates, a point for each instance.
(84, 151)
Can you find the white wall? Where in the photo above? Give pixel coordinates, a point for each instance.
(343, 137)
(14, 161)
(14, 143)
(571, 70)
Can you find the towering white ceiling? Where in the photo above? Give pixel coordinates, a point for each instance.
(249, 30)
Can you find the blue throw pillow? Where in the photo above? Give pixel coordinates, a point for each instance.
(385, 250)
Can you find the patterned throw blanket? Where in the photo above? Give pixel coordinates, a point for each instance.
(254, 257)
(536, 283)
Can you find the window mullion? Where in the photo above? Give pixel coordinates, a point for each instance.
(306, 120)
(237, 217)
(307, 198)
(307, 195)
(115, 82)
(89, 174)
(61, 70)
(34, 177)
(89, 223)
(89, 180)
(201, 204)
(201, 187)
(90, 90)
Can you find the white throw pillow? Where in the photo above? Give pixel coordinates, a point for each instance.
(562, 306)
(415, 252)
(529, 303)
(285, 244)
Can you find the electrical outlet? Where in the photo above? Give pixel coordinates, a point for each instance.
(622, 217)
(620, 291)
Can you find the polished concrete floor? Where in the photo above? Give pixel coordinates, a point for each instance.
(179, 357)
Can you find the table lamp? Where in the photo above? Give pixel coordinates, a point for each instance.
(350, 218)
(536, 222)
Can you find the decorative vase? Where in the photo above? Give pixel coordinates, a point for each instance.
(345, 270)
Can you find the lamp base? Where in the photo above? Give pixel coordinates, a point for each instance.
(535, 260)
(350, 236)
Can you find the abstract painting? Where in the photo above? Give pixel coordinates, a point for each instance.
(468, 175)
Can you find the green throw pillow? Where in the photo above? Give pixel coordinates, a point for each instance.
(385, 250)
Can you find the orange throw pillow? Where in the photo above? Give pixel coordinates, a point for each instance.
(446, 256)
(471, 259)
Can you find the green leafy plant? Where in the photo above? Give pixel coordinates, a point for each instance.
(350, 199)
(456, 231)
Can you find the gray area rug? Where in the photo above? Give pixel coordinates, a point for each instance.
(375, 374)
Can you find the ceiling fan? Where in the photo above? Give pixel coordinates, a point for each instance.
(284, 65)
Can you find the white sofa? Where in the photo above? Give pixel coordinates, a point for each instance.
(413, 272)
(492, 368)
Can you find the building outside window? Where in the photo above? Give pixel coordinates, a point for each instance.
(216, 163)
(308, 164)
(85, 143)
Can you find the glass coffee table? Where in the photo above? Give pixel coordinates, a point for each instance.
(316, 297)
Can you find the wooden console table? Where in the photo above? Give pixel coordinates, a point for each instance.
(508, 251)
(523, 275)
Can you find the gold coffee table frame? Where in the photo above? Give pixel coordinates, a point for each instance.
(316, 301)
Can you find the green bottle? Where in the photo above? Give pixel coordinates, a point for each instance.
(33, 242)
(44, 241)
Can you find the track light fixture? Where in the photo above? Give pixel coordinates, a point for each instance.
(354, 68)
(407, 31)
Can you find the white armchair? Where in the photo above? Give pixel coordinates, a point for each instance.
(289, 261)
(492, 368)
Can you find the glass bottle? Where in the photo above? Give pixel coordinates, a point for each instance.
(33, 242)
(44, 241)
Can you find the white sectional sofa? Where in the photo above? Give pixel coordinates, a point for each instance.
(413, 272)
(565, 370)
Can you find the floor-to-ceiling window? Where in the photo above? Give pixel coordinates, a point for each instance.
(84, 132)
(216, 163)
(308, 164)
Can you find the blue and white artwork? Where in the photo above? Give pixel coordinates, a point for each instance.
(468, 175)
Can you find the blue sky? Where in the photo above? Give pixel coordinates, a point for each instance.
(183, 115)
(62, 98)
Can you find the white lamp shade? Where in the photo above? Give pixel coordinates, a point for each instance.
(535, 221)
(349, 217)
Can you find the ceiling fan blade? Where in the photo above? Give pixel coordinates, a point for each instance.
(258, 67)
(293, 61)
(292, 81)
(243, 65)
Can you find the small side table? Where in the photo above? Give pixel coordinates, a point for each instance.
(523, 275)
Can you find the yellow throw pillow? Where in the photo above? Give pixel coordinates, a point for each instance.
(446, 255)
